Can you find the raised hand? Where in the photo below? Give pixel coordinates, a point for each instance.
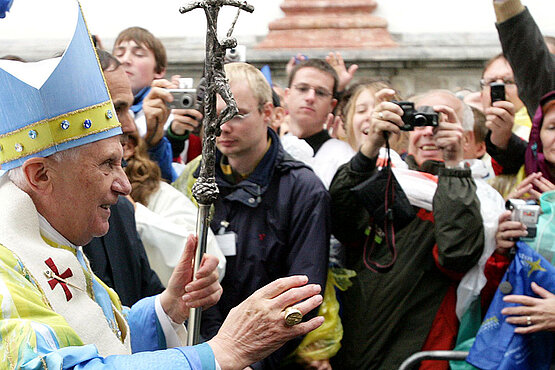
(500, 118)
(449, 135)
(507, 232)
(183, 293)
(256, 328)
(385, 119)
(345, 75)
(156, 110)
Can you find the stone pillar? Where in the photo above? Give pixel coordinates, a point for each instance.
(330, 24)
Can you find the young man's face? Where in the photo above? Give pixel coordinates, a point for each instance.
(139, 64)
(309, 101)
(245, 136)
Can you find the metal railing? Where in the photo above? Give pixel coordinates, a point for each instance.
(418, 357)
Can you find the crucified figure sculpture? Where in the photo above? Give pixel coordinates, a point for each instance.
(205, 189)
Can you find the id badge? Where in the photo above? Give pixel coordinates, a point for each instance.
(226, 242)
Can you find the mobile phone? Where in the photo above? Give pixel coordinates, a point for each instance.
(497, 91)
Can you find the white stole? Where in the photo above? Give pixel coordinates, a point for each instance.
(20, 233)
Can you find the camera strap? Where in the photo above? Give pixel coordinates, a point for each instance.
(388, 227)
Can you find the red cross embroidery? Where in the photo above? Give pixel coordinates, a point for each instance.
(53, 282)
(261, 236)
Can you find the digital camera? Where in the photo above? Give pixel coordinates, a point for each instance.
(526, 213)
(183, 98)
(423, 116)
(497, 91)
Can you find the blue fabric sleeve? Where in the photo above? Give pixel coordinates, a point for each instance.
(199, 357)
(162, 154)
(146, 332)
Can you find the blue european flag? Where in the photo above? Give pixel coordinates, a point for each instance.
(496, 345)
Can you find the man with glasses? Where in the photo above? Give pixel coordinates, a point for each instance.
(533, 65)
(508, 115)
(507, 120)
(271, 218)
(310, 100)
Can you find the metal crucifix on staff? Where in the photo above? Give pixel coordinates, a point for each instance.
(205, 189)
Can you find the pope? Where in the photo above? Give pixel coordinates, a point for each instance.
(60, 145)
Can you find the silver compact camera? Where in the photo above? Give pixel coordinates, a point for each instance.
(526, 213)
(183, 98)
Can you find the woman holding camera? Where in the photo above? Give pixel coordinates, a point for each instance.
(391, 313)
(356, 108)
(535, 314)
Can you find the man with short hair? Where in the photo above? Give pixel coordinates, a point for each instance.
(534, 69)
(143, 57)
(272, 212)
(473, 146)
(310, 100)
(510, 114)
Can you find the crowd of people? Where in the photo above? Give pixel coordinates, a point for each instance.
(379, 219)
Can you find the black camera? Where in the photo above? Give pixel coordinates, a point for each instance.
(423, 116)
(497, 91)
(183, 98)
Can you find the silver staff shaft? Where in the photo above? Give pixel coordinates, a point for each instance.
(193, 324)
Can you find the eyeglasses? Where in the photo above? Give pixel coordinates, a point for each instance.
(489, 81)
(241, 116)
(303, 89)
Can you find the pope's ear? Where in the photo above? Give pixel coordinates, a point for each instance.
(37, 174)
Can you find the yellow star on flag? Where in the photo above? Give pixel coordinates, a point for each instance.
(535, 266)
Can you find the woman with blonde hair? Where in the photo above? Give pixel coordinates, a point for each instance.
(356, 108)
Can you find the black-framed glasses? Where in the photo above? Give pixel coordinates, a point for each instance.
(318, 91)
(489, 81)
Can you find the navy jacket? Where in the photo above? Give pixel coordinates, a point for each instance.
(282, 220)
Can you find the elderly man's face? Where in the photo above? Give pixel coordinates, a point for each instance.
(421, 143)
(84, 189)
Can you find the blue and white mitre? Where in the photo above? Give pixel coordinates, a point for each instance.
(54, 104)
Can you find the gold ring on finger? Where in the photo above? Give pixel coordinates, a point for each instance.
(292, 316)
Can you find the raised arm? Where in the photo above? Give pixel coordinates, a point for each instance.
(533, 65)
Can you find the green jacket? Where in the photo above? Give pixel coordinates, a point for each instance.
(389, 316)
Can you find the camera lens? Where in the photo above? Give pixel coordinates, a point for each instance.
(420, 120)
(187, 101)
